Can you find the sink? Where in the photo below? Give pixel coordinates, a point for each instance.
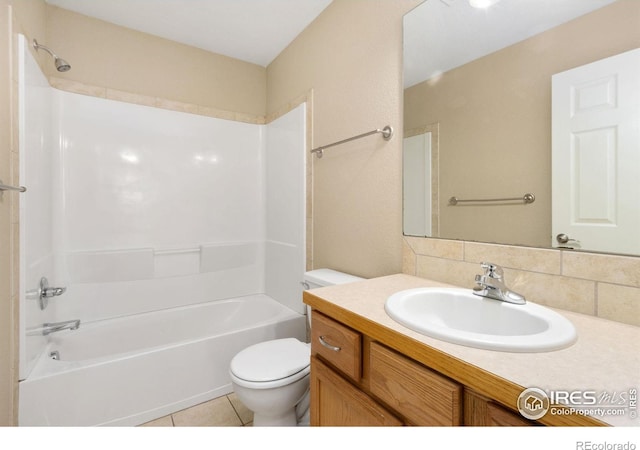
(457, 315)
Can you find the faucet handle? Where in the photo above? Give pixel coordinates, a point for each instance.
(492, 270)
(54, 291)
(45, 292)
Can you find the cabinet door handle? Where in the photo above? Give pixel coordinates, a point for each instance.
(326, 344)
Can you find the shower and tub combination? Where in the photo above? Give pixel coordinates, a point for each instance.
(172, 241)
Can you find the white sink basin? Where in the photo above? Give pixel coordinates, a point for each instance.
(459, 316)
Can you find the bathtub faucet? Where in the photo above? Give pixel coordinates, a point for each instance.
(49, 328)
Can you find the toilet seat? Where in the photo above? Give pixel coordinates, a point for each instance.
(271, 364)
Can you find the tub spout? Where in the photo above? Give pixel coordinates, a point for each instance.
(49, 328)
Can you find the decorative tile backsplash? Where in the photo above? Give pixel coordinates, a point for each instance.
(606, 286)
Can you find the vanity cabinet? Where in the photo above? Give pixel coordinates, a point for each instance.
(423, 396)
(396, 376)
(357, 381)
(337, 402)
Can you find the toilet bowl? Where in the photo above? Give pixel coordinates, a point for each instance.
(272, 378)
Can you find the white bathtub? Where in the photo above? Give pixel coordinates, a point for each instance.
(130, 370)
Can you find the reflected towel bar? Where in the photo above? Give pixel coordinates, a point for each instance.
(4, 187)
(387, 134)
(526, 198)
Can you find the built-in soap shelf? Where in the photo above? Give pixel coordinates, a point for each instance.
(150, 263)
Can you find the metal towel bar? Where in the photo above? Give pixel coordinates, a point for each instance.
(4, 187)
(387, 134)
(526, 198)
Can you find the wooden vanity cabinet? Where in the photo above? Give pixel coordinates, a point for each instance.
(358, 382)
(422, 396)
(365, 371)
(337, 394)
(337, 402)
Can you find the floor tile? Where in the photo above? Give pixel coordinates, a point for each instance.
(217, 412)
(161, 422)
(245, 414)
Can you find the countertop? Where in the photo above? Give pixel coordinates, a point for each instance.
(605, 358)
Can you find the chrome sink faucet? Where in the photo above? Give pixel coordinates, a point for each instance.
(49, 328)
(491, 285)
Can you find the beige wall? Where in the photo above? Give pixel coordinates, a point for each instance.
(351, 57)
(27, 16)
(494, 118)
(106, 55)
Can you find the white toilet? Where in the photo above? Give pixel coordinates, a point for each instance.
(272, 378)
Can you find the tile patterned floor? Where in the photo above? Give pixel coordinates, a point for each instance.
(226, 411)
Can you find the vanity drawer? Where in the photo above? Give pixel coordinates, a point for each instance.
(337, 344)
(421, 395)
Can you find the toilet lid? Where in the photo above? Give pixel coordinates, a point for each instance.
(271, 360)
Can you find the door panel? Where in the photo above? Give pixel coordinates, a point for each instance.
(596, 155)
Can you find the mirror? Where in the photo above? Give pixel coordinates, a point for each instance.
(478, 115)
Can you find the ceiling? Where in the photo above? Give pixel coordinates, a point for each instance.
(255, 31)
(440, 35)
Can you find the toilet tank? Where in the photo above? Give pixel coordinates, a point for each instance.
(327, 277)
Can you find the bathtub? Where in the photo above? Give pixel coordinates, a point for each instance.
(134, 369)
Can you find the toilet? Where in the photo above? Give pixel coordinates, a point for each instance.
(272, 378)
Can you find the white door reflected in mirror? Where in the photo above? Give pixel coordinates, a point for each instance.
(595, 155)
(417, 185)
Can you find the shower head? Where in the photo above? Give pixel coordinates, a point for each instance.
(61, 64)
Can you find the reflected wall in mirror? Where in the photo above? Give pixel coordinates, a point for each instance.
(491, 104)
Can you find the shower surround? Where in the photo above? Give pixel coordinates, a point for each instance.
(143, 212)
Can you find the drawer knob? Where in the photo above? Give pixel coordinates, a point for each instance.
(326, 344)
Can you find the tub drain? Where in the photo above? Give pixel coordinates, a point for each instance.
(54, 355)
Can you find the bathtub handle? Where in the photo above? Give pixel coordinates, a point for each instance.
(45, 292)
(326, 344)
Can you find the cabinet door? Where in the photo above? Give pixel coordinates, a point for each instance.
(336, 402)
(500, 417)
(420, 395)
(480, 411)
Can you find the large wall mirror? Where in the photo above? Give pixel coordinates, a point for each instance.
(509, 128)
